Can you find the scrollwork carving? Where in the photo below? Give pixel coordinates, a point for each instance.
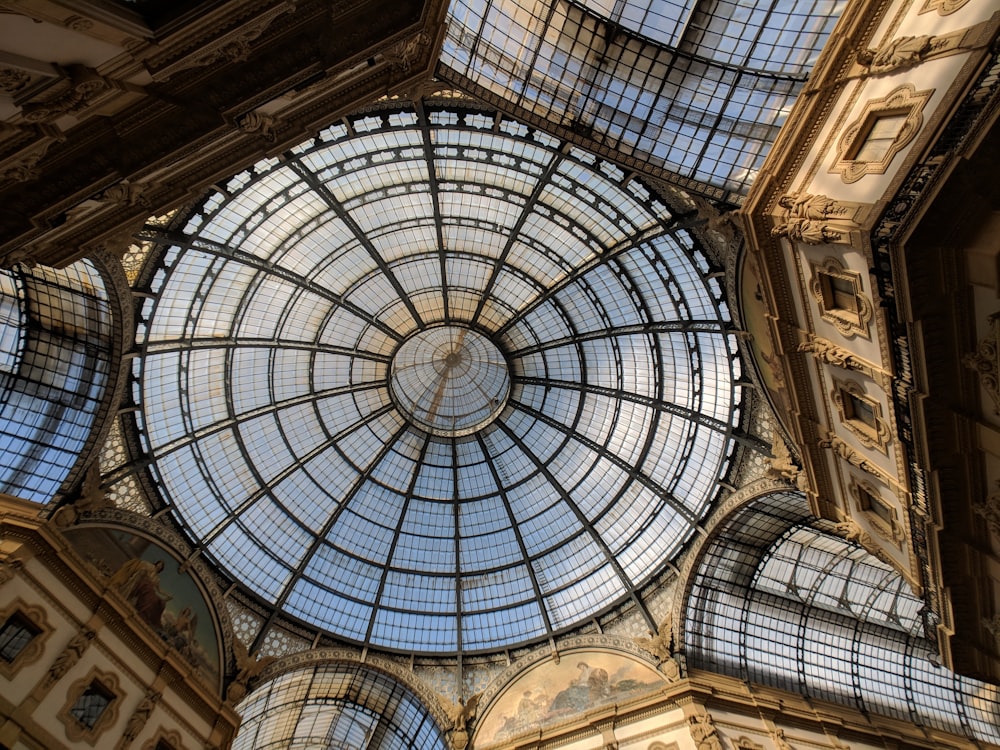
(986, 362)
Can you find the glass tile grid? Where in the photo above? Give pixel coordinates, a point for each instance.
(747, 618)
(701, 90)
(58, 323)
(283, 440)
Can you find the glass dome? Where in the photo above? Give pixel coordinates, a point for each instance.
(436, 382)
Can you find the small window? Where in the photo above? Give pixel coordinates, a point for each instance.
(15, 635)
(839, 294)
(91, 704)
(884, 127)
(860, 410)
(877, 506)
(883, 132)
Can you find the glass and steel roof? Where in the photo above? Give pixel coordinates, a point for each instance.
(698, 87)
(436, 382)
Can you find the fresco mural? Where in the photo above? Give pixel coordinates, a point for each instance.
(150, 579)
(551, 692)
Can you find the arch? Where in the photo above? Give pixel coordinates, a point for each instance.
(336, 701)
(777, 599)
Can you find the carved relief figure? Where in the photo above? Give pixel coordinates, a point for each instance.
(899, 53)
(704, 733)
(826, 351)
(810, 206)
(809, 231)
(70, 655)
(138, 719)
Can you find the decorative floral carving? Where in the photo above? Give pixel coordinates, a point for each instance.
(78, 23)
(13, 80)
(85, 84)
(986, 363)
(943, 7)
(813, 206)
(232, 47)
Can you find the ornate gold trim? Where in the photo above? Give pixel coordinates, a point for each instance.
(903, 100)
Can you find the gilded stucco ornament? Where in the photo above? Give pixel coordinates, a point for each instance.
(403, 54)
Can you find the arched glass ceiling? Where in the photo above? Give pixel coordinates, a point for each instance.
(698, 87)
(778, 602)
(436, 382)
(56, 339)
(340, 706)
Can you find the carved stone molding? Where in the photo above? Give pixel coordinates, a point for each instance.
(815, 206)
(829, 353)
(703, 731)
(986, 362)
(84, 85)
(234, 46)
(138, 719)
(842, 450)
(989, 509)
(69, 656)
(903, 102)
(262, 124)
(403, 54)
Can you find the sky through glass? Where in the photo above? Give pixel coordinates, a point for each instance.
(436, 382)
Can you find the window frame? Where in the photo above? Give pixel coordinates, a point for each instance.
(35, 646)
(903, 101)
(77, 730)
(849, 322)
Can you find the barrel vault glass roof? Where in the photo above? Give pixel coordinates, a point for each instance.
(436, 382)
(697, 87)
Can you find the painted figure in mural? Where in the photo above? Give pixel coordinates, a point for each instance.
(139, 582)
